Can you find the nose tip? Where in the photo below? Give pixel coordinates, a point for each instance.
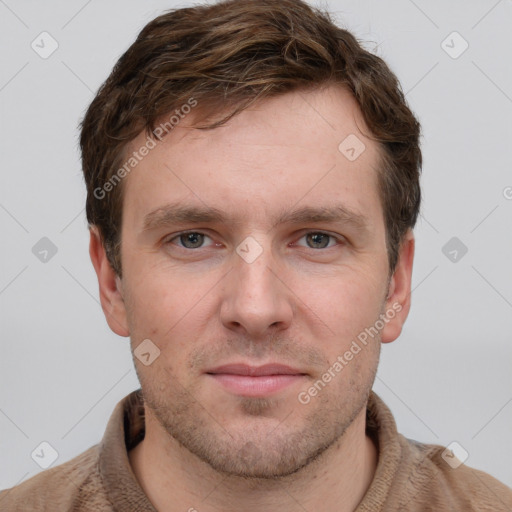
(255, 300)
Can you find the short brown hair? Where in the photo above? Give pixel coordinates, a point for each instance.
(226, 56)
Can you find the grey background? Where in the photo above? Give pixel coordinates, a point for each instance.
(448, 377)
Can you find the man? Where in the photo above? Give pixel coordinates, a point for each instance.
(253, 183)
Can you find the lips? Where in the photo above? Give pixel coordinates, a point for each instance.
(255, 381)
(255, 371)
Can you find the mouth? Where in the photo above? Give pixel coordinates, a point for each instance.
(255, 381)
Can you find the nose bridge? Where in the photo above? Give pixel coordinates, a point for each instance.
(252, 271)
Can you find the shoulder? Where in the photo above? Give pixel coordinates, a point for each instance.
(435, 477)
(74, 485)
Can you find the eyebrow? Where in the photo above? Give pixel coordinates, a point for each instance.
(171, 214)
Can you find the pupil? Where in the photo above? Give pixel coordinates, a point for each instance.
(317, 238)
(191, 240)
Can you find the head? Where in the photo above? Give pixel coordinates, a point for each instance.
(288, 154)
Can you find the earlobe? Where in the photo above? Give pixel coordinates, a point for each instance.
(398, 301)
(110, 286)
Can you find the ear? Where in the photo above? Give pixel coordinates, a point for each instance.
(398, 301)
(110, 286)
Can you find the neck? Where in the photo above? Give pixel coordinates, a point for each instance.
(174, 479)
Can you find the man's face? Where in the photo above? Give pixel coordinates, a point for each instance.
(260, 286)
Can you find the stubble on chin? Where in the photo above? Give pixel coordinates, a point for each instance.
(264, 448)
(266, 438)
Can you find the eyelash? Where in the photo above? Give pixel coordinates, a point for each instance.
(167, 241)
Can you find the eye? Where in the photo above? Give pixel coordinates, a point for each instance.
(189, 240)
(319, 240)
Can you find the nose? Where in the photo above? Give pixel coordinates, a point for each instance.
(256, 300)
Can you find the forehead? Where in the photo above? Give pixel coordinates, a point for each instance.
(302, 148)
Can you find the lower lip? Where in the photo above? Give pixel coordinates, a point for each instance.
(245, 385)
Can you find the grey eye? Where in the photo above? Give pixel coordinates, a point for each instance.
(318, 240)
(191, 240)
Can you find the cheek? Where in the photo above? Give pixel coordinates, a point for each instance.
(153, 306)
(161, 294)
(342, 305)
(170, 310)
